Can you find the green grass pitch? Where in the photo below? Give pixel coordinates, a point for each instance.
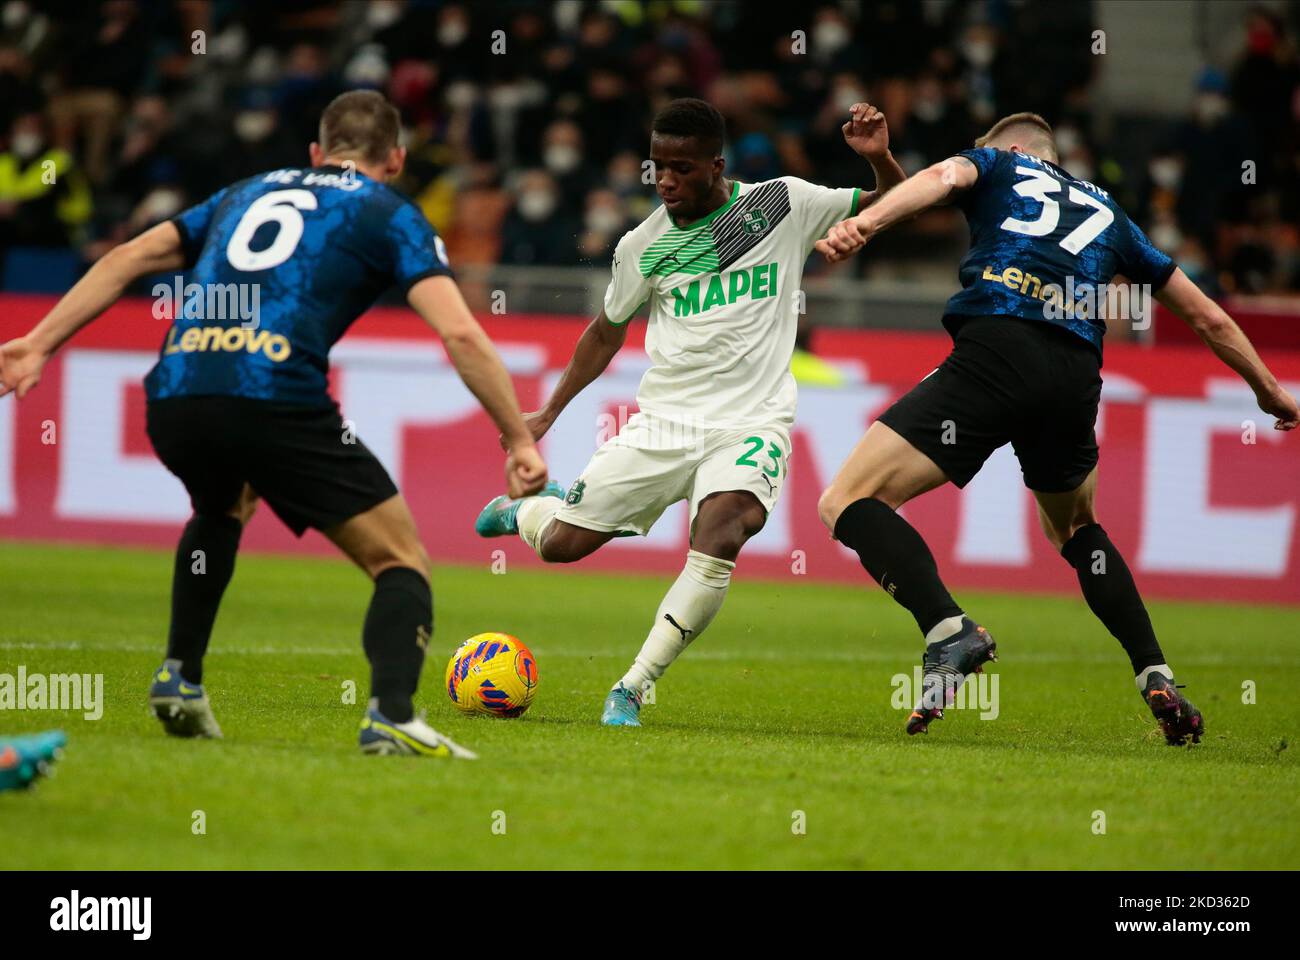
(784, 706)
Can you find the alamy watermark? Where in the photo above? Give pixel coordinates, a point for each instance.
(179, 300)
(76, 913)
(1128, 302)
(979, 692)
(686, 435)
(53, 691)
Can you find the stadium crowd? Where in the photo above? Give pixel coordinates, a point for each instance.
(527, 123)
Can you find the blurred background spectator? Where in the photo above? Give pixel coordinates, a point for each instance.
(527, 123)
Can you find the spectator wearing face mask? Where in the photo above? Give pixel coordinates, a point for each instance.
(979, 50)
(934, 127)
(604, 222)
(625, 175)
(263, 143)
(149, 153)
(1195, 262)
(1162, 185)
(565, 160)
(538, 231)
(44, 199)
(823, 140)
(456, 52)
(831, 39)
(1076, 155)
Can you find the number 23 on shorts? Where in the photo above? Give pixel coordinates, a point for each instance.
(752, 447)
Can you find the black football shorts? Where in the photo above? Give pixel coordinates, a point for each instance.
(303, 461)
(1008, 380)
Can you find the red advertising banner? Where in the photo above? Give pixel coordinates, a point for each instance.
(1272, 323)
(1197, 489)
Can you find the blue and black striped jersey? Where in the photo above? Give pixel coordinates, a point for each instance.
(310, 249)
(1043, 242)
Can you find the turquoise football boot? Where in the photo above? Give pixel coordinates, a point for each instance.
(497, 519)
(622, 708)
(23, 759)
(181, 706)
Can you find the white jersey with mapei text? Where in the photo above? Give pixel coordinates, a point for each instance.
(724, 301)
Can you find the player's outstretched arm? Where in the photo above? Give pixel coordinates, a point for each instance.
(156, 250)
(929, 187)
(867, 133)
(1220, 333)
(596, 348)
(437, 299)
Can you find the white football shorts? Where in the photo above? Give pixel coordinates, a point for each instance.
(652, 463)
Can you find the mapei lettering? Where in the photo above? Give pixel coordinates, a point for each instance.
(721, 289)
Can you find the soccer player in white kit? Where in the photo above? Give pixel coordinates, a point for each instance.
(720, 264)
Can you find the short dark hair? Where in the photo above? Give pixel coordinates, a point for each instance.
(691, 117)
(360, 123)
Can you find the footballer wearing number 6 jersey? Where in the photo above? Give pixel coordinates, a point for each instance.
(720, 265)
(1025, 369)
(239, 410)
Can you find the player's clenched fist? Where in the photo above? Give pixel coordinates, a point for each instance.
(843, 240)
(20, 366)
(525, 472)
(1279, 403)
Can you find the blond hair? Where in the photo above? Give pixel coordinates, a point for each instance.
(1040, 132)
(360, 123)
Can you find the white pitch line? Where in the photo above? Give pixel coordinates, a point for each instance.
(725, 656)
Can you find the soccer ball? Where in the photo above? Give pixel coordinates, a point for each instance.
(492, 673)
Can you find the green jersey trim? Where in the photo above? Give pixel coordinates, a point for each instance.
(853, 204)
(690, 244)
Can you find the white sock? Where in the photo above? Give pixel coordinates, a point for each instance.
(1161, 668)
(534, 516)
(692, 602)
(943, 630)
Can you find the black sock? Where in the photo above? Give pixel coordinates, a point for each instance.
(897, 558)
(205, 560)
(398, 626)
(1112, 595)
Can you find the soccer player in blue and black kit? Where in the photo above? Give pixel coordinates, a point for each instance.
(240, 411)
(1025, 370)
